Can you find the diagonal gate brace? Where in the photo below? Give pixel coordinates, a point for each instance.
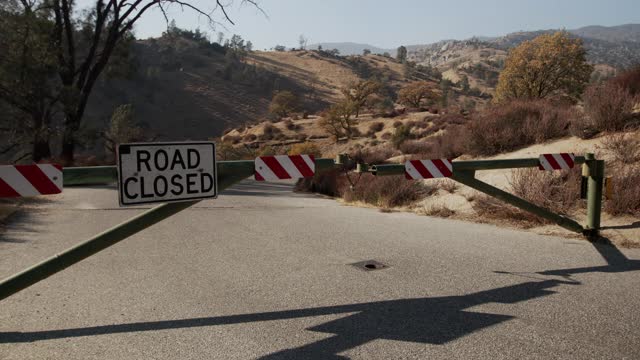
(467, 177)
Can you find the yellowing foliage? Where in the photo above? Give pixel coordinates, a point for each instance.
(413, 93)
(550, 64)
(305, 148)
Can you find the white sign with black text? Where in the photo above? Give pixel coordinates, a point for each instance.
(166, 172)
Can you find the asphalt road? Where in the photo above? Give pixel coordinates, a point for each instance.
(265, 273)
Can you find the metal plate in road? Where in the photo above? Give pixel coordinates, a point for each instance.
(166, 172)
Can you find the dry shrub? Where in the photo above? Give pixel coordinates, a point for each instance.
(608, 107)
(451, 144)
(376, 126)
(386, 136)
(449, 186)
(629, 80)
(439, 210)
(397, 124)
(377, 155)
(290, 125)
(422, 124)
(556, 191)
(232, 139)
(270, 129)
(416, 147)
(623, 148)
(449, 119)
(626, 192)
(426, 132)
(510, 126)
(331, 183)
(387, 191)
(491, 208)
(225, 151)
(270, 150)
(306, 148)
(250, 138)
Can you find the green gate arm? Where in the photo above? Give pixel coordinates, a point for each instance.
(467, 178)
(97, 175)
(229, 173)
(464, 172)
(93, 175)
(398, 169)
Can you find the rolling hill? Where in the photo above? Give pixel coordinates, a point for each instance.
(185, 89)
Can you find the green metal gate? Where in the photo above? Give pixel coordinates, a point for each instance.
(231, 172)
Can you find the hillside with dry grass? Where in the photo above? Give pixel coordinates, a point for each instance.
(183, 89)
(606, 121)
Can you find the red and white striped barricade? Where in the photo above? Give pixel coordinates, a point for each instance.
(561, 161)
(30, 180)
(428, 169)
(280, 167)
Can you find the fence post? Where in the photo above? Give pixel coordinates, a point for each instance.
(594, 169)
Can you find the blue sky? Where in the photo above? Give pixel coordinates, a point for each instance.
(389, 24)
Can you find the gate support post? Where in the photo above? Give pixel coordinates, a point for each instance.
(594, 169)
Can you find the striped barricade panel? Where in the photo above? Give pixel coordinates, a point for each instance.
(280, 167)
(30, 180)
(559, 161)
(428, 169)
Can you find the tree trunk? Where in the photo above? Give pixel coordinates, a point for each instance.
(41, 149)
(68, 146)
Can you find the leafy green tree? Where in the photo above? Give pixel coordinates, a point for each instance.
(79, 60)
(338, 121)
(28, 81)
(413, 93)
(550, 64)
(283, 103)
(464, 84)
(402, 54)
(357, 93)
(401, 134)
(122, 128)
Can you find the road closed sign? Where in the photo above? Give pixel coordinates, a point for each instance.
(166, 172)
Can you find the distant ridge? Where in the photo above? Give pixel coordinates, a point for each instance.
(350, 48)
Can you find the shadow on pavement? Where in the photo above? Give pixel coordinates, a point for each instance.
(24, 217)
(616, 261)
(436, 320)
(425, 320)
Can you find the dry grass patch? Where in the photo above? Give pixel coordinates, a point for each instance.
(626, 192)
(490, 208)
(387, 191)
(556, 191)
(623, 148)
(449, 186)
(439, 210)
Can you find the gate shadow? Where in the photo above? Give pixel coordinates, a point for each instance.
(434, 320)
